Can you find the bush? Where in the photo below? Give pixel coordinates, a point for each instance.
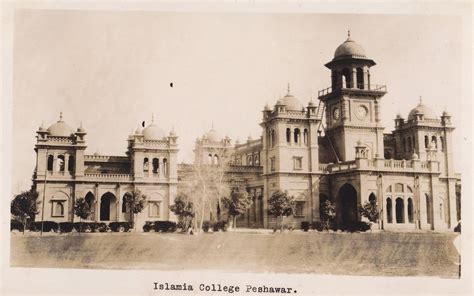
(305, 226)
(206, 225)
(66, 227)
(219, 226)
(96, 226)
(47, 226)
(164, 226)
(148, 226)
(318, 226)
(86, 227)
(356, 226)
(16, 225)
(120, 226)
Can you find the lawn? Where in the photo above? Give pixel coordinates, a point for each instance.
(385, 254)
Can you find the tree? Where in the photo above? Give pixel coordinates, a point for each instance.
(184, 209)
(370, 211)
(208, 184)
(24, 206)
(329, 212)
(281, 204)
(237, 204)
(135, 202)
(82, 210)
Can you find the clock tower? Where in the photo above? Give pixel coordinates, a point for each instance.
(353, 103)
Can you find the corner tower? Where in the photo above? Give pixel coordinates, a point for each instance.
(352, 103)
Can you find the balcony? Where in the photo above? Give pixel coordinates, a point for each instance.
(382, 165)
(359, 88)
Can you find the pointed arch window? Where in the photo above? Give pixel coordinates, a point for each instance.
(427, 141)
(156, 165)
(297, 135)
(70, 165)
(305, 136)
(145, 164)
(50, 162)
(60, 164)
(165, 166)
(288, 135)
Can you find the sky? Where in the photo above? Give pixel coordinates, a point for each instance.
(111, 70)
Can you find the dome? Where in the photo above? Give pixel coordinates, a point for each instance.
(267, 107)
(138, 131)
(349, 49)
(80, 129)
(311, 103)
(153, 132)
(213, 135)
(427, 112)
(60, 129)
(292, 103)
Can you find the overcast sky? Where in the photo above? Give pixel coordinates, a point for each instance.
(112, 70)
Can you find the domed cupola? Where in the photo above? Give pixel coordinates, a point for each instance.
(291, 103)
(60, 128)
(153, 132)
(213, 135)
(421, 111)
(349, 49)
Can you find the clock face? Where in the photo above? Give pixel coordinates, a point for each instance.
(336, 113)
(361, 112)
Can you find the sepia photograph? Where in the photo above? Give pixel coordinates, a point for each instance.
(192, 145)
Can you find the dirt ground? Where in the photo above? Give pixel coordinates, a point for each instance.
(383, 254)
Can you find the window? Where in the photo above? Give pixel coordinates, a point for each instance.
(441, 143)
(165, 167)
(70, 165)
(410, 210)
(434, 142)
(297, 135)
(360, 78)
(273, 138)
(389, 210)
(298, 163)
(156, 165)
(145, 164)
(50, 162)
(216, 159)
(154, 209)
(272, 164)
(58, 209)
(305, 136)
(299, 209)
(288, 135)
(60, 164)
(427, 141)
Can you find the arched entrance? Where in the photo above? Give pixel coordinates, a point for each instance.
(348, 204)
(107, 207)
(90, 201)
(400, 210)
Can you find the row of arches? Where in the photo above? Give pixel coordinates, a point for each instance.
(213, 159)
(60, 161)
(346, 78)
(296, 138)
(408, 143)
(155, 165)
(399, 210)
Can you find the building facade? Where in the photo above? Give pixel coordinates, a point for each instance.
(335, 149)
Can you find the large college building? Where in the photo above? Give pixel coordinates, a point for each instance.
(332, 149)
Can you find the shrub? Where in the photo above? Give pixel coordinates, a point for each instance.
(148, 226)
(47, 226)
(219, 226)
(83, 226)
(305, 226)
(120, 226)
(206, 225)
(16, 225)
(164, 226)
(97, 226)
(356, 226)
(318, 226)
(66, 227)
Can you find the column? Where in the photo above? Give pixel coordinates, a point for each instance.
(66, 163)
(394, 212)
(97, 203)
(405, 209)
(55, 162)
(150, 166)
(118, 193)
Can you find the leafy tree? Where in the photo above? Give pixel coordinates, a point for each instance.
(329, 212)
(370, 211)
(281, 204)
(135, 202)
(82, 210)
(24, 206)
(237, 204)
(184, 209)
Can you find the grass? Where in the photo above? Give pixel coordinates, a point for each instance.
(384, 254)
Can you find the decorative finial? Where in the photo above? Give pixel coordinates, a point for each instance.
(421, 100)
(348, 34)
(152, 118)
(80, 123)
(212, 125)
(61, 116)
(288, 90)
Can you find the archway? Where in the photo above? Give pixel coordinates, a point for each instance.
(410, 210)
(389, 210)
(399, 210)
(348, 204)
(322, 199)
(107, 207)
(90, 201)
